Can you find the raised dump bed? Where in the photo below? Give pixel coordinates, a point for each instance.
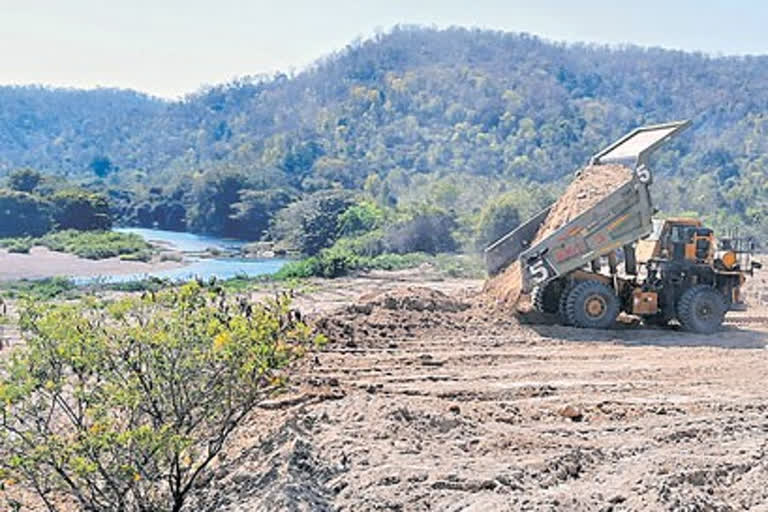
(560, 240)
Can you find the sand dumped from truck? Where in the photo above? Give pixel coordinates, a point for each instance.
(591, 184)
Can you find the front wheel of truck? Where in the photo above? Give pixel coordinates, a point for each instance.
(546, 298)
(592, 304)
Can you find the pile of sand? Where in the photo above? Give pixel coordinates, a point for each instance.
(392, 315)
(591, 185)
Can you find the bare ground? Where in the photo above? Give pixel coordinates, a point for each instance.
(488, 414)
(42, 262)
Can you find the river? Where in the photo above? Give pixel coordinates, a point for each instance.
(204, 268)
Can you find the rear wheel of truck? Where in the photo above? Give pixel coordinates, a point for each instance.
(562, 303)
(592, 304)
(701, 309)
(546, 299)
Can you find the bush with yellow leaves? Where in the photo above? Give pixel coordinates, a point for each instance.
(124, 405)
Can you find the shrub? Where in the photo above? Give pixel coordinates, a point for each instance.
(300, 269)
(137, 256)
(18, 245)
(124, 405)
(172, 256)
(461, 265)
(37, 289)
(97, 244)
(338, 262)
(391, 261)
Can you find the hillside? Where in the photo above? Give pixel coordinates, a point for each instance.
(457, 116)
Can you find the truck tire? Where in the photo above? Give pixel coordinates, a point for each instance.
(592, 305)
(701, 309)
(562, 303)
(546, 299)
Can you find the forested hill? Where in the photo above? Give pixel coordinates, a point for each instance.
(414, 112)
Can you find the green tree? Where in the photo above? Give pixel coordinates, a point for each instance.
(214, 195)
(123, 406)
(312, 223)
(255, 210)
(360, 218)
(429, 230)
(23, 214)
(24, 180)
(499, 217)
(80, 209)
(101, 166)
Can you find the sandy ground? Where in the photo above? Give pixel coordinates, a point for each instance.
(497, 415)
(42, 262)
(479, 412)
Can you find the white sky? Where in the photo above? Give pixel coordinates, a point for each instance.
(173, 47)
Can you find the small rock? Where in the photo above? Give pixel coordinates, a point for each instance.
(571, 413)
(455, 409)
(389, 480)
(418, 478)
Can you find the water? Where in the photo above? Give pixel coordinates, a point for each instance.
(204, 268)
(185, 242)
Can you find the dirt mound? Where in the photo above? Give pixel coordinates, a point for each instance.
(418, 299)
(506, 288)
(591, 185)
(391, 315)
(281, 471)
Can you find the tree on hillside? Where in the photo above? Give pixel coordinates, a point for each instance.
(24, 180)
(23, 214)
(101, 166)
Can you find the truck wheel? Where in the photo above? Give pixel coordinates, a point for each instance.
(546, 299)
(701, 309)
(562, 303)
(593, 305)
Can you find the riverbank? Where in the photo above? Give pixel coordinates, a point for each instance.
(41, 262)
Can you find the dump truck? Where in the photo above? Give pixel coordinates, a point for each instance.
(615, 257)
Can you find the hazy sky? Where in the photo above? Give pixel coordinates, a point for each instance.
(172, 47)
